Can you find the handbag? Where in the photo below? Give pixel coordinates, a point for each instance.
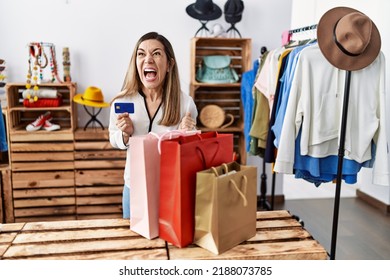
(216, 69)
(225, 206)
(181, 159)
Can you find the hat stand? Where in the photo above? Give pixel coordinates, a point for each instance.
(232, 30)
(340, 164)
(203, 27)
(93, 118)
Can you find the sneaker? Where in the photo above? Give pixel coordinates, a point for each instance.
(39, 122)
(50, 126)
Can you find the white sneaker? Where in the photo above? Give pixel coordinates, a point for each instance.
(50, 126)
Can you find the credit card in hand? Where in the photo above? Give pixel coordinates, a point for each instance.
(124, 107)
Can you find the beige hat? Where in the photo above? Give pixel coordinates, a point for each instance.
(348, 39)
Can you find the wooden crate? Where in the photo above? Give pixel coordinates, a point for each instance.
(20, 116)
(226, 96)
(44, 196)
(77, 240)
(279, 236)
(98, 175)
(2, 215)
(43, 180)
(7, 199)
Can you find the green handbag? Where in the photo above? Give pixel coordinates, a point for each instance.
(216, 69)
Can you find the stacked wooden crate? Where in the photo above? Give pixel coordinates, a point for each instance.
(98, 175)
(42, 162)
(225, 95)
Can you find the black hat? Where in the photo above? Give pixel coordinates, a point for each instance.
(233, 10)
(204, 10)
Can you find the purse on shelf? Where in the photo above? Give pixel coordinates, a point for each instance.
(216, 69)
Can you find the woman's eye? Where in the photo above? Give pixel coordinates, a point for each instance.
(157, 53)
(140, 54)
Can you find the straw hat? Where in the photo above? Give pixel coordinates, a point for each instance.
(92, 96)
(348, 39)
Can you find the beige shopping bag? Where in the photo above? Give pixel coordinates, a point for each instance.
(225, 206)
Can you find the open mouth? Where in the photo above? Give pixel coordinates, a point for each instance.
(150, 73)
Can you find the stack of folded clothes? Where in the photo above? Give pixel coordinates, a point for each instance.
(42, 98)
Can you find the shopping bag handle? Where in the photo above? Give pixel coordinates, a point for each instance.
(203, 157)
(244, 186)
(242, 194)
(171, 134)
(224, 168)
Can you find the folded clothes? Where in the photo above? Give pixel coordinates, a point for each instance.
(41, 93)
(43, 102)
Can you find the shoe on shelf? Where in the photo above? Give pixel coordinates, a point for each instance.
(39, 122)
(50, 126)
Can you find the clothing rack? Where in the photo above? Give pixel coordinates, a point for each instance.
(341, 149)
(302, 29)
(263, 203)
(340, 165)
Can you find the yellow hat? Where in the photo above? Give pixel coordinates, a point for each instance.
(92, 96)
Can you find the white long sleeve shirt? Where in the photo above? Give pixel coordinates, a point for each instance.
(143, 124)
(315, 105)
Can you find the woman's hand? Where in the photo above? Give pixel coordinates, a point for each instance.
(187, 123)
(125, 124)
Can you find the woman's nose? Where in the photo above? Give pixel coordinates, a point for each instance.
(149, 59)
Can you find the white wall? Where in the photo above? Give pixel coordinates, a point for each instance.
(101, 36)
(307, 12)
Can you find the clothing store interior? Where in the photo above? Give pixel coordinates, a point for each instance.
(288, 158)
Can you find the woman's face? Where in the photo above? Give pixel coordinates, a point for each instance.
(152, 64)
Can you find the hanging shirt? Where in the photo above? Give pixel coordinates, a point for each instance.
(286, 81)
(315, 104)
(247, 82)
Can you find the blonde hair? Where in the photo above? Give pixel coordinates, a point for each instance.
(171, 89)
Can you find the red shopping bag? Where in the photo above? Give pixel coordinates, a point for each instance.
(144, 157)
(181, 159)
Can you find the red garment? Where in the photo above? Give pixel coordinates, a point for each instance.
(43, 102)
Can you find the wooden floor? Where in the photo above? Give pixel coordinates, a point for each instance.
(363, 231)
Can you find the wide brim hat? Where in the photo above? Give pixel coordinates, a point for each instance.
(204, 10)
(348, 39)
(92, 96)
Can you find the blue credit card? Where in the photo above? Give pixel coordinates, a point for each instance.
(124, 107)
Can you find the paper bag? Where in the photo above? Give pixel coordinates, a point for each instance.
(225, 206)
(144, 184)
(181, 159)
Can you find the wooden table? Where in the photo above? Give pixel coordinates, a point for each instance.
(279, 236)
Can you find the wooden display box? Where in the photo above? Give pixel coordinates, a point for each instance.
(99, 170)
(20, 116)
(227, 96)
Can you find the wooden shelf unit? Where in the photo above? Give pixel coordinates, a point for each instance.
(42, 162)
(227, 96)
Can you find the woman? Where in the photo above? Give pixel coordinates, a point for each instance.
(152, 84)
